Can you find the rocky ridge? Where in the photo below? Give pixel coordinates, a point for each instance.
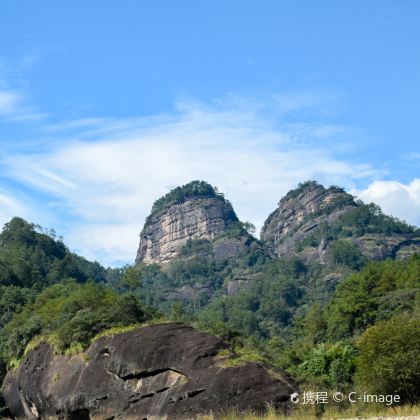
(161, 371)
(288, 225)
(309, 219)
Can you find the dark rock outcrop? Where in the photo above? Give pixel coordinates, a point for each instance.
(162, 371)
(4, 411)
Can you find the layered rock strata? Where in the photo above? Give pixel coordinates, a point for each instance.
(168, 230)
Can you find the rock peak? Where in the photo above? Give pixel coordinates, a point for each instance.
(313, 222)
(195, 210)
(311, 189)
(192, 190)
(307, 200)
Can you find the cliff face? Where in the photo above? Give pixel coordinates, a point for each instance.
(311, 218)
(161, 371)
(299, 213)
(168, 230)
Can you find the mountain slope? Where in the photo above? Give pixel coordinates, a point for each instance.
(201, 248)
(329, 226)
(308, 298)
(30, 257)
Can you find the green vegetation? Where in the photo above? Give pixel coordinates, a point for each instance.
(353, 324)
(195, 278)
(196, 247)
(70, 315)
(347, 254)
(361, 220)
(265, 309)
(302, 186)
(389, 360)
(368, 218)
(289, 316)
(194, 189)
(30, 258)
(331, 364)
(378, 292)
(45, 289)
(314, 333)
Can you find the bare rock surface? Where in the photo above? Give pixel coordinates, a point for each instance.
(167, 231)
(166, 371)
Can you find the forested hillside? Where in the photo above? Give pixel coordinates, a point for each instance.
(339, 321)
(331, 340)
(46, 289)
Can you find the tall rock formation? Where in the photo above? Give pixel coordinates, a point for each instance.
(195, 211)
(196, 228)
(310, 219)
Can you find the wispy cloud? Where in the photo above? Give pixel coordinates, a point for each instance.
(104, 178)
(10, 206)
(413, 156)
(9, 102)
(98, 181)
(14, 107)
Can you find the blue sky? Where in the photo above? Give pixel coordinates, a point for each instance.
(104, 106)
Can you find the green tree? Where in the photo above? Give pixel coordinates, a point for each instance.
(73, 313)
(389, 361)
(347, 254)
(335, 364)
(379, 291)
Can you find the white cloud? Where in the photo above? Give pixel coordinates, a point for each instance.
(9, 102)
(104, 178)
(114, 244)
(10, 207)
(13, 108)
(395, 198)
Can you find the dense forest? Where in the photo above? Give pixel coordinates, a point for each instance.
(47, 290)
(358, 329)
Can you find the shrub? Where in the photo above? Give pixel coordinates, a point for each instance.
(333, 363)
(73, 313)
(389, 360)
(347, 254)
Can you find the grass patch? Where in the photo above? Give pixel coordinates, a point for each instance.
(77, 348)
(240, 356)
(51, 340)
(357, 411)
(110, 332)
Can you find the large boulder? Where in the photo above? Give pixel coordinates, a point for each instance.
(163, 371)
